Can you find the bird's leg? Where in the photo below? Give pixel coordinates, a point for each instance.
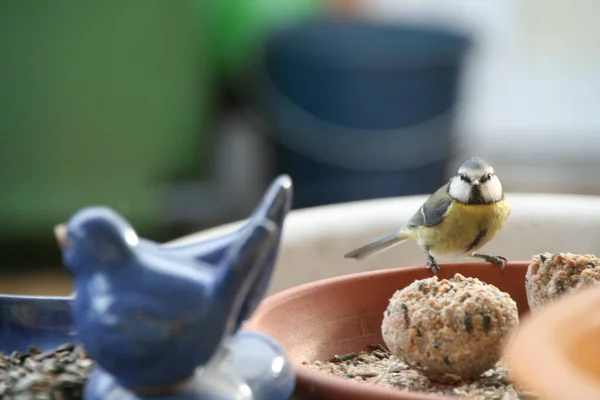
(431, 263)
(498, 260)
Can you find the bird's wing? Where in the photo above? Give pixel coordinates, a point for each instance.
(433, 211)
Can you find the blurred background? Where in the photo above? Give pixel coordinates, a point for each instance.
(179, 113)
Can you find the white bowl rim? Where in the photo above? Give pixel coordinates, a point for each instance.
(299, 223)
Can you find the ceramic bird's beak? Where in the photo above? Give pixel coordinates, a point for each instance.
(60, 232)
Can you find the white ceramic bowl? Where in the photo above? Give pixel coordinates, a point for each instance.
(315, 239)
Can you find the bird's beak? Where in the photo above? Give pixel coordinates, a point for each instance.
(60, 232)
(475, 182)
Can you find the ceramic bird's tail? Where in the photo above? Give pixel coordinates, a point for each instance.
(380, 244)
(247, 267)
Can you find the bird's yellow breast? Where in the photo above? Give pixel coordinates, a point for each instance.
(464, 229)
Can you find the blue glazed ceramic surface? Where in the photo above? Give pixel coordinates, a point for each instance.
(250, 366)
(44, 322)
(163, 321)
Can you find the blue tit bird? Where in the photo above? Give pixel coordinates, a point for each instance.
(456, 221)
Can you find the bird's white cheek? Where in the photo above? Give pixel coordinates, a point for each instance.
(492, 190)
(460, 190)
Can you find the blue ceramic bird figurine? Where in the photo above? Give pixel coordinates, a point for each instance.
(151, 315)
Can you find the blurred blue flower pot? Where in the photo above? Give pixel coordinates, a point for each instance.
(362, 109)
(163, 321)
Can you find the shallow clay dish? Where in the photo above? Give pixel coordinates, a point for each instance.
(339, 315)
(556, 351)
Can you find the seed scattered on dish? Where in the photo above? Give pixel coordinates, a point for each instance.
(368, 367)
(57, 374)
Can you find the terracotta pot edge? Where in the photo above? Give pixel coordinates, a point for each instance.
(290, 293)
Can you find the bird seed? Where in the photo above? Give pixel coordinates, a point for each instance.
(371, 367)
(59, 374)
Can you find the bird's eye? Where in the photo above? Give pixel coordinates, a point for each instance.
(465, 178)
(486, 178)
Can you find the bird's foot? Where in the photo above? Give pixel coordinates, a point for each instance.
(498, 260)
(433, 266)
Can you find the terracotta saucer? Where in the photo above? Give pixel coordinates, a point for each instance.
(339, 315)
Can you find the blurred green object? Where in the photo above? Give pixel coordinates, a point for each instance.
(239, 26)
(100, 103)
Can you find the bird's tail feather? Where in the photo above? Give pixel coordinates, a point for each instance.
(380, 244)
